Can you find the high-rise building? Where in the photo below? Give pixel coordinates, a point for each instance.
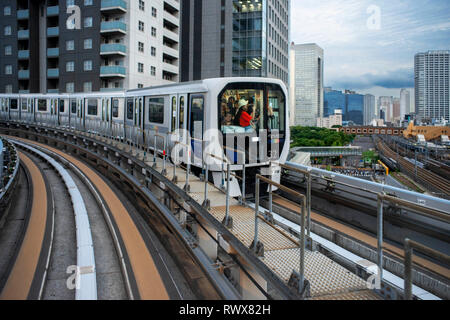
(405, 103)
(386, 105)
(333, 100)
(307, 81)
(431, 75)
(234, 38)
(354, 107)
(76, 46)
(369, 109)
(396, 110)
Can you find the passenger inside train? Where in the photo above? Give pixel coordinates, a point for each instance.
(244, 111)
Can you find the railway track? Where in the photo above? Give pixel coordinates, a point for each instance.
(131, 261)
(427, 177)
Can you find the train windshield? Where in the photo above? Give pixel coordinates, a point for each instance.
(251, 107)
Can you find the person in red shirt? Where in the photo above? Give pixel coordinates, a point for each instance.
(245, 116)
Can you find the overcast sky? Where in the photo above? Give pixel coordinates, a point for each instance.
(368, 54)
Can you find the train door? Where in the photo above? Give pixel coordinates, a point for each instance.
(129, 118)
(173, 113)
(182, 115)
(196, 117)
(72, 113)
(23, 109)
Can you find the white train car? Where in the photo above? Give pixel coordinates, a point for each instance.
(241, 121)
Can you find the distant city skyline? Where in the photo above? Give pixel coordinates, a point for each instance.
(369, 47)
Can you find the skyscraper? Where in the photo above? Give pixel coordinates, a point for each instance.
(405, 103)
(333, 100)
(431, 75)
(386, 104)
(74, 45)
(307, 80)
(396, 110)
(369, 109)
(354, 108)
(227, 38)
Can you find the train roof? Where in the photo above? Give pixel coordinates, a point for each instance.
(172, 88)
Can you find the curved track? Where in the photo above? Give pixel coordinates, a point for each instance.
(147, 272)
(25, 279)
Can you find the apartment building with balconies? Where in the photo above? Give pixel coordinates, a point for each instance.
(87, 45)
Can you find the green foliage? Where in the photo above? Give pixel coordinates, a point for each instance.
(319, 137)
(370, 156)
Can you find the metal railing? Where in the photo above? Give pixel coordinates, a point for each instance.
(308, 176)
(258, 247)
(419, 209)
(410, 245)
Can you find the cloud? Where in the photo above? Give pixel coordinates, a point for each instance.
(400, 78)
(357, 57)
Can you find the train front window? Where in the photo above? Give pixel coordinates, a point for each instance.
(250, 107)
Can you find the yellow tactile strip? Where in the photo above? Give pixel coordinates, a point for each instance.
(244, 228)
(325, 276)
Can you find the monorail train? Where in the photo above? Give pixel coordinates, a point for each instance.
(192, 109)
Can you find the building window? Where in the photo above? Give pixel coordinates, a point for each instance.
(140, 67)
(87, 44)
(141, 26)
(7, 30)
(8, 50)
(88, 2)
(141, 5)
(88, 22)
(140, 85)
(70, 87)
(70, 45)
(8, 69)
(87, 87)
(153, 71)
(7, 11)
(141, 46)
(8, 88)
(153, 31)
(70, 66)
(153, 51)
(154, 12)
(88, 65)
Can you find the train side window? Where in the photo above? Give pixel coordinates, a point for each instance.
(73, 106)
(61, 106)
(130, 109)
(24, 104)
(156, 110)
(42, 105)
(14, 104)
(115, 108)
(92, 107)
